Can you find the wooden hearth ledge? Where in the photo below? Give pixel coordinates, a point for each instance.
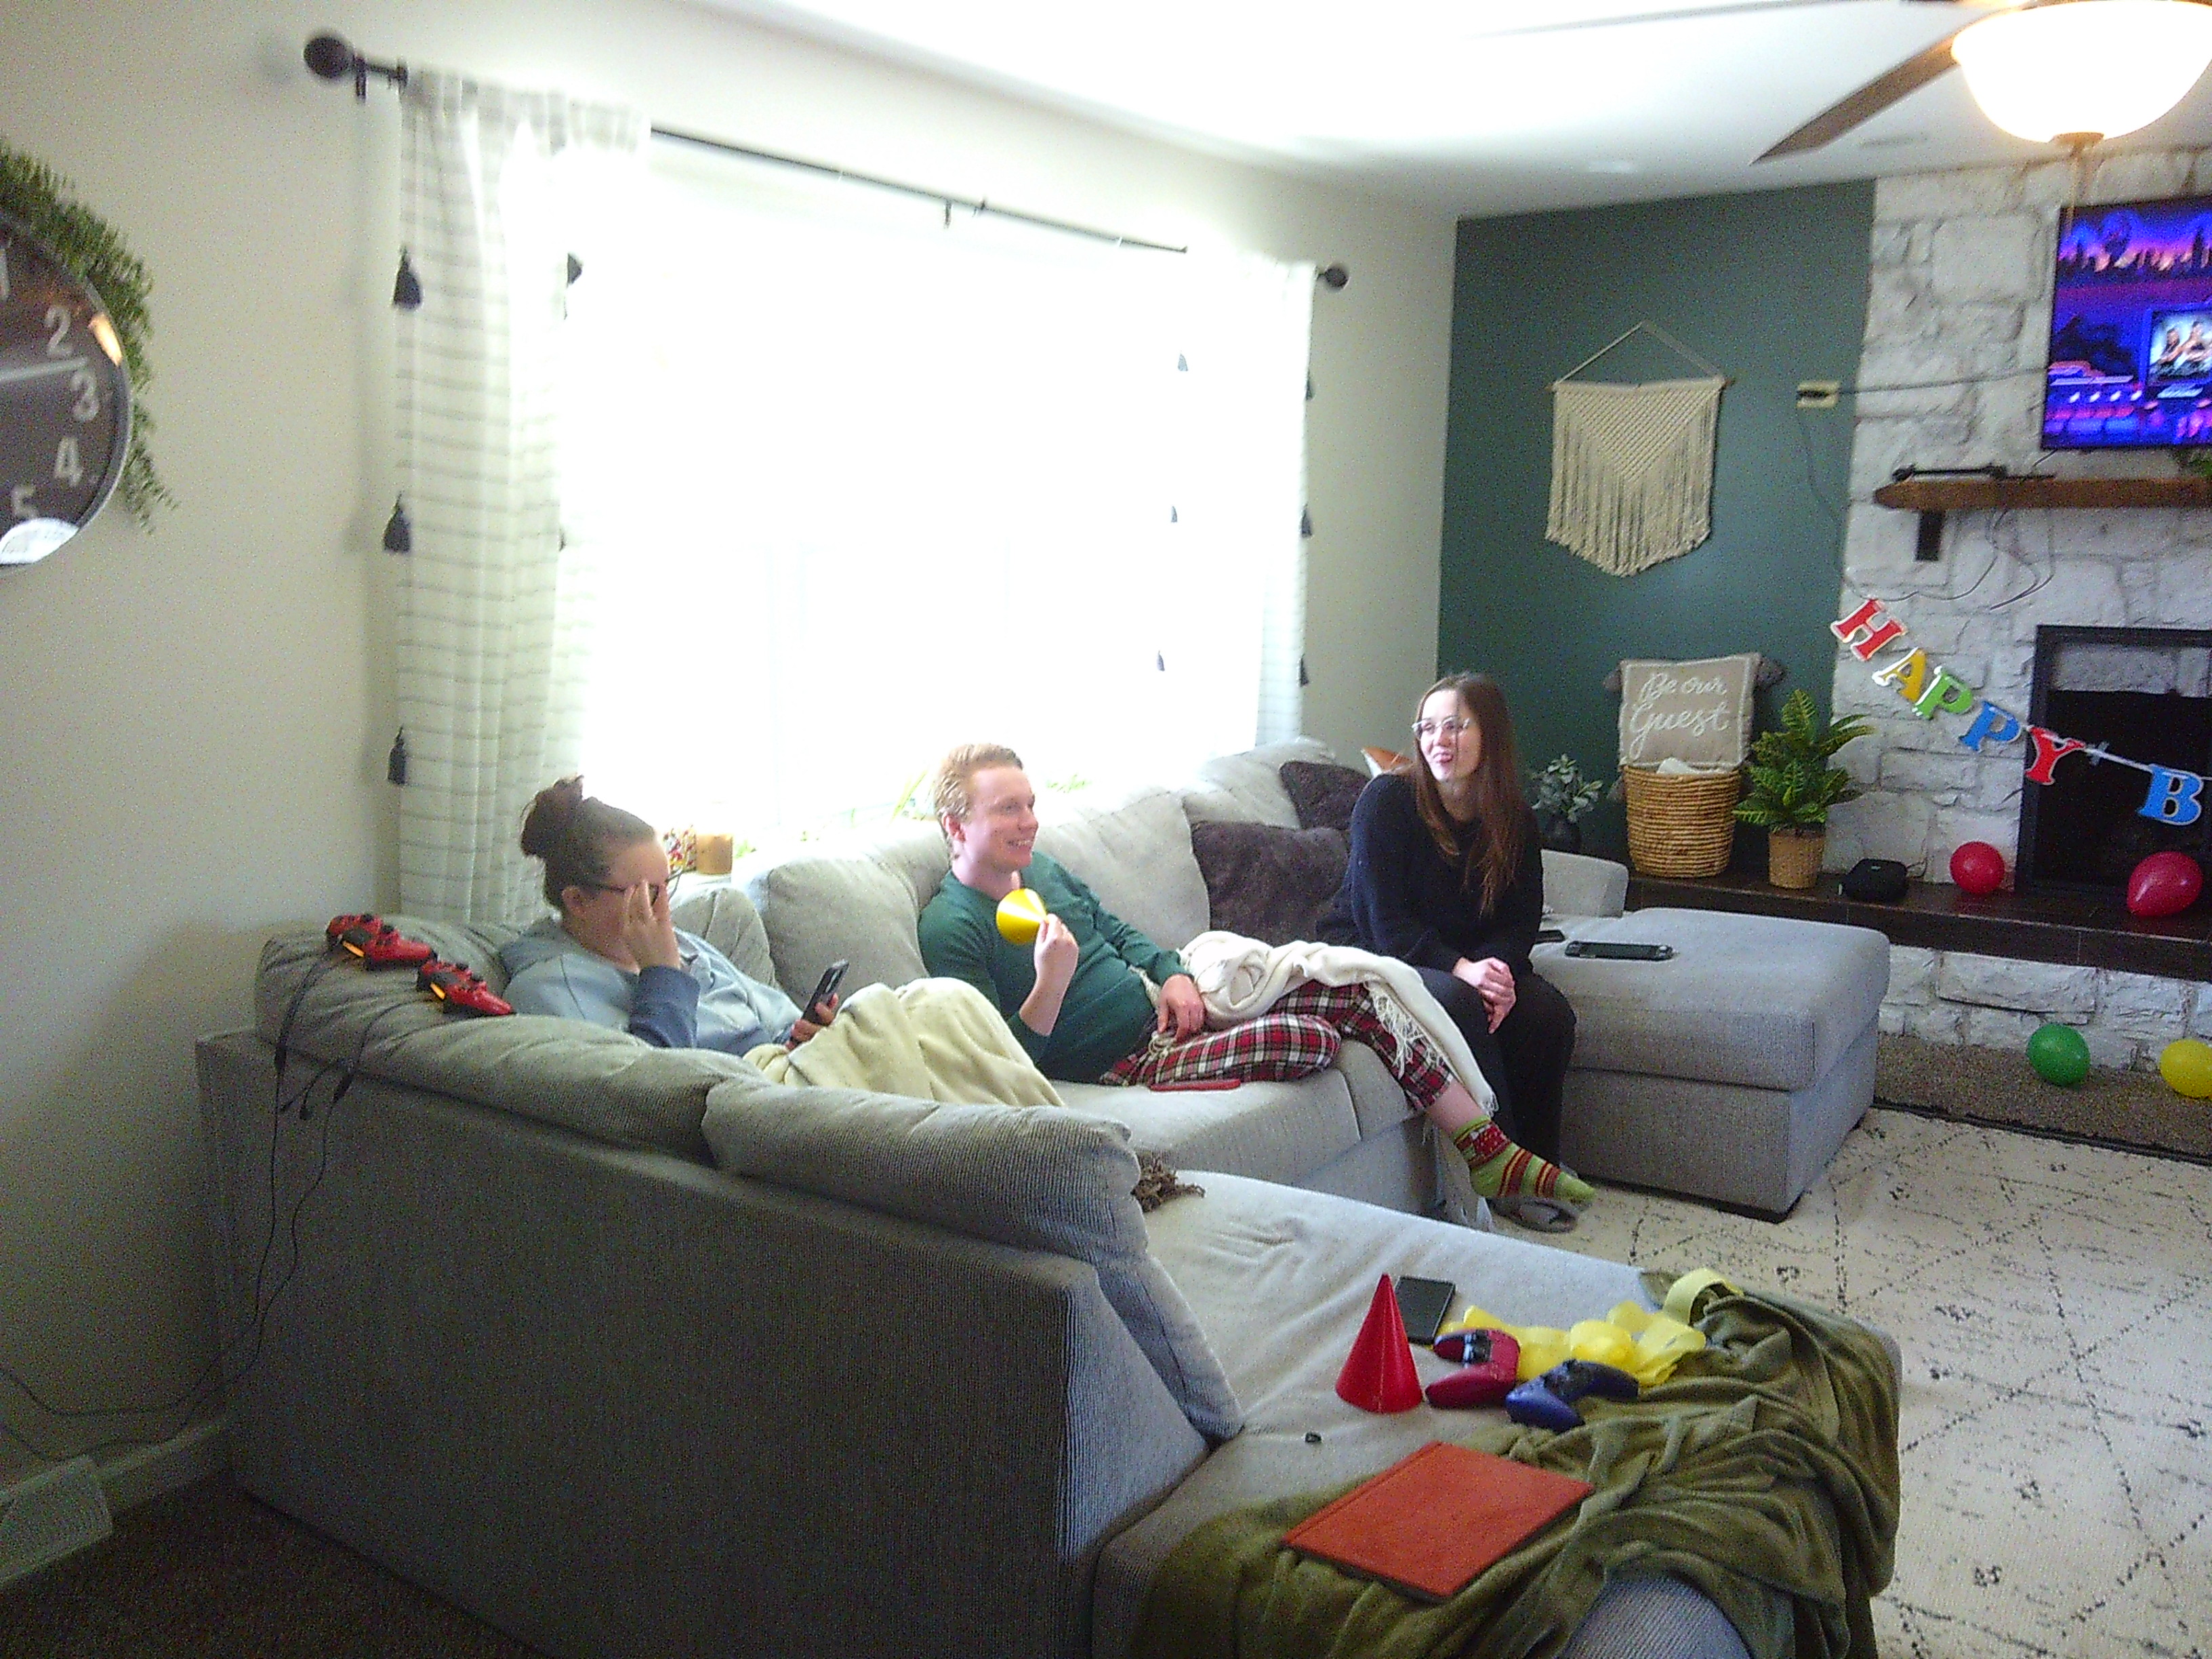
(2082, 930)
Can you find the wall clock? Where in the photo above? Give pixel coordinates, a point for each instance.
(64, 400)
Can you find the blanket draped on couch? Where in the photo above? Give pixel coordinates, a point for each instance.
(1764, 1473)
(933, 1039)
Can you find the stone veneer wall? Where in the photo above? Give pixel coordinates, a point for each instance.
(1994, 1002)
(1957, 319)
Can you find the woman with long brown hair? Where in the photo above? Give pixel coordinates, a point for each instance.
(1446, 874)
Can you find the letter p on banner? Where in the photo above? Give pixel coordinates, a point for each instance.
(2174, 797)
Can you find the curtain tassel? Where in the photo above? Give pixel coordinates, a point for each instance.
(406, 287)
(399, 530)
(395, 763)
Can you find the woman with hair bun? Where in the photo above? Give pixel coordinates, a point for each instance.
(1446, 874)
(612, 955)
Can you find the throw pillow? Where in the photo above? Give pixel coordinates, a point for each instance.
(1323, 795)
(1699, 713)
(1266, 882)
(1036, 1177)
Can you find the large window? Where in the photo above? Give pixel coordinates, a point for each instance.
(845, 483)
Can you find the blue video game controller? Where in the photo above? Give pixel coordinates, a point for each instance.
(1548, 1402)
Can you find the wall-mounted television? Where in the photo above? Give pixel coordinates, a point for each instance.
(2130, 363)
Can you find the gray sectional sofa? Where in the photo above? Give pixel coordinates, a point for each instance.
(632, 1353)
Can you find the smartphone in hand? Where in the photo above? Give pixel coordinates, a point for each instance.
(824, 988)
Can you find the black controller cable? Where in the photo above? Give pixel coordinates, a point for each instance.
(253, 1333)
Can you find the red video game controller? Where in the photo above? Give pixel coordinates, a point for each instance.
(1489, 1362)
(376, 942)
(459, 988)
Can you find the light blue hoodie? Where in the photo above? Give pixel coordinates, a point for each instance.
(705, 1003)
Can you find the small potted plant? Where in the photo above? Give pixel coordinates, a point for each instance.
(1792, 788)
(1562, 795)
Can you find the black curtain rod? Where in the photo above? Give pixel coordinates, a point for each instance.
(333, 58)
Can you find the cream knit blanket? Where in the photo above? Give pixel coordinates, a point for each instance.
(1241, 978)
(934, 1039)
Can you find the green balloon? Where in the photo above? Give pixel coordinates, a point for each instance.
(2059, 1055)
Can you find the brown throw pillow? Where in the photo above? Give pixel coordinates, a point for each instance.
(1265, 882)
(1322, 795)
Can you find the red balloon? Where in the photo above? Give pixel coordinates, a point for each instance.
(2164, 885)
(1978, 867)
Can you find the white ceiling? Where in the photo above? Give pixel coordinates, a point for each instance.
(1478, 107)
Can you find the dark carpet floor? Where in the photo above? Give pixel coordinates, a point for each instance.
(208, 1573)
(2133, 1109)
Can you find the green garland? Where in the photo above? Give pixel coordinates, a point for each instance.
(38, 198)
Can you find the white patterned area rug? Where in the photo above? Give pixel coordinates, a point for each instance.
(2054, 1303)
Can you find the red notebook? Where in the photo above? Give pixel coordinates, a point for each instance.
(1430, 1522)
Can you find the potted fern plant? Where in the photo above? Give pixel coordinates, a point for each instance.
(1793, 785)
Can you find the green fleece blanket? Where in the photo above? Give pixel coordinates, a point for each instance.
(1764, 1471)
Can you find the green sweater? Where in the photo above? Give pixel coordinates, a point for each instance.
(1107, 1013)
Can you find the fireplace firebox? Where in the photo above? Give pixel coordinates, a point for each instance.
(2145, 693)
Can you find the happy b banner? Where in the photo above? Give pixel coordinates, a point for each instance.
(2175, 796)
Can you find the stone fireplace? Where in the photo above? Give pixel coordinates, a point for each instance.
(1951, 375)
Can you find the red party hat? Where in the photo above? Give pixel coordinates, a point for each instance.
(1378, 1375)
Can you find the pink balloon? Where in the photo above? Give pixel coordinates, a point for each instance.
(2164, 885)
(1978, 867)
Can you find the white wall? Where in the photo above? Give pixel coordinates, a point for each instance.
(193, 723)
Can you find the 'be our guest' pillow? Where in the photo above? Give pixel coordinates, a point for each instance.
(1699, 713)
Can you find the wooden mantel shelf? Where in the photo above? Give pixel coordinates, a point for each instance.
(1989, 495)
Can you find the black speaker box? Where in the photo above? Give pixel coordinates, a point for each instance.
(1876, 881)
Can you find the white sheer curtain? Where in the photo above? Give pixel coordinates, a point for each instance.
(498, 190)
(861, 484)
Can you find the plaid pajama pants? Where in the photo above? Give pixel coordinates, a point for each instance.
(1295, 1038)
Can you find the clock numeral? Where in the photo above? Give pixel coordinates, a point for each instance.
(23, 500)
(58, 319)
(87, 406)
(67, 466)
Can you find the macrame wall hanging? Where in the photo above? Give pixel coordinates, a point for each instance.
(1632, 465)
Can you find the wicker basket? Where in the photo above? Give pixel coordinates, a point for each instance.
(1793, 860)
(1680, 826)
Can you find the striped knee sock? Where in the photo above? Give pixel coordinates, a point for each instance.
(1501, 1170)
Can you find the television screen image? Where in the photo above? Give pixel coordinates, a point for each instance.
(2131, 362)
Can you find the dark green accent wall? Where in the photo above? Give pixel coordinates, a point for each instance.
(1772, 289)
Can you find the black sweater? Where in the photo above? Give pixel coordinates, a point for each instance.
(1401, 898)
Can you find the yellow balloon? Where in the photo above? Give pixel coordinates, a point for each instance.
(2187, 1067)
(1021, 912)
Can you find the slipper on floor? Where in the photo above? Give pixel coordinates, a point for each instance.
(1538, 1215)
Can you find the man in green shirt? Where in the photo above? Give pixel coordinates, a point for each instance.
(1077, 1001)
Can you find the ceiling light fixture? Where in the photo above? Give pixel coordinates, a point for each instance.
(2080, 70)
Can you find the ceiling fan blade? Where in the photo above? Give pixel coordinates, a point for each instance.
(1870, 100)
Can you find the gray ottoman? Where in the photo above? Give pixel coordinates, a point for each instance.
(1732, 1072)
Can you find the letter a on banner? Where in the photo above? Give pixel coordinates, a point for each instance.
(1907, 676)
(2173, 796)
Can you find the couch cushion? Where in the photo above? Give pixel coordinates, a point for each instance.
(1268, 883)
(1280, 1280)
(1038, 1178)
(1134, 853)
(818, 908)
(1274, 1131)
(1247, 786)
(1765, 1001)
(723, 916)
(605, 1084)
